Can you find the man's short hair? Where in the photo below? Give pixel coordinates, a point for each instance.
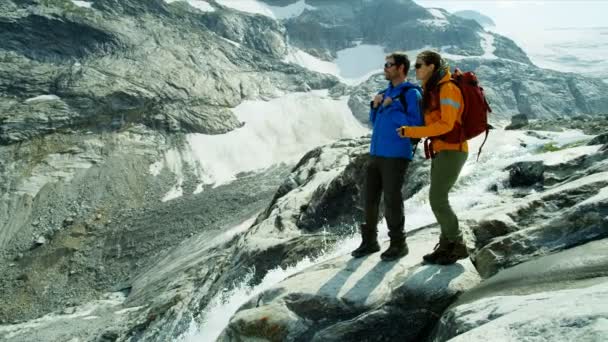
(400, 58)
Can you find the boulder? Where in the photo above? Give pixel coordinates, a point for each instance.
(347, 299)
(599, 140)
(518, 121)
(486, 230)
(558, 297)
(564, 217)
(527, 173)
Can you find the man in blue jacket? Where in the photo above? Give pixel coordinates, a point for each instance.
(396, 106)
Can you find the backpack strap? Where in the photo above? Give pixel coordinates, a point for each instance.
(484, 140)
(371, 103)
(429, 153)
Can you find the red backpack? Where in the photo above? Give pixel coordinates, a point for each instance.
(474, 120)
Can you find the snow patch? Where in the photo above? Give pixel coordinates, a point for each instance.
(439, 20)
(437, 13)
(177, 161)
(231, 42)
(310, 62)
(175, 192)
(43, 98)
(280, 130)
(357, 63)
(352, 65)
(199, 188)
(433, 22)
(198, 4)
(487, 43)
(558, 157)
(84, 4)
(128, 310)
(156, 168)
(84, 311)
(275, 12)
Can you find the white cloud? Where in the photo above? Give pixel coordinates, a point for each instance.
(506, 4)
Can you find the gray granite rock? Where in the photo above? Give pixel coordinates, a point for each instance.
(347, 299)
(558, 296)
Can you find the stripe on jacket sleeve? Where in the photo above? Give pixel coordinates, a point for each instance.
(450, 102)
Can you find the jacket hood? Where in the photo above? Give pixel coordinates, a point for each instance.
(446, 77)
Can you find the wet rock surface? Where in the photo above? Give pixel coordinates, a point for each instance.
(345, 298)
(536, 298)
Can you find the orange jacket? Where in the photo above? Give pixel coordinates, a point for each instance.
(440, 118)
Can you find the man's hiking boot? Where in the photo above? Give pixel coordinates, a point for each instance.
(369, 242)
(366, 248)
(396, 250)
(447, 252)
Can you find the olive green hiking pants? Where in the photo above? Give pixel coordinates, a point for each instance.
(445, 168)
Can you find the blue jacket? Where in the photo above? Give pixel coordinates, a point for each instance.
(385, 120)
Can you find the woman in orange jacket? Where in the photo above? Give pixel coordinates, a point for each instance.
(443, 106)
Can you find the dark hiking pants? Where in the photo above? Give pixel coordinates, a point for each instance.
(445, 169)
(385, 177)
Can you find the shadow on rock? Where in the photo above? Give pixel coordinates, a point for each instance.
(409, 315)
(366, 299)
(366, 285)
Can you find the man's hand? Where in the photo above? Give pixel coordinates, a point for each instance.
(387, 101)
(401, 131)
(377, 100)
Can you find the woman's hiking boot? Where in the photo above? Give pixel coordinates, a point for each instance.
(396, 250)
(447, 252)
(369, 242)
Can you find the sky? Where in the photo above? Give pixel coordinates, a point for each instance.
(527, 14)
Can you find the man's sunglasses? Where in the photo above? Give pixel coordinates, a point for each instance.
(418, 65)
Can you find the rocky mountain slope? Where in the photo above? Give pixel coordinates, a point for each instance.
(539, 246)
(124, 62)
(483, 20)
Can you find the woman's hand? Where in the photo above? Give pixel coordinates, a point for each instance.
(401, 131)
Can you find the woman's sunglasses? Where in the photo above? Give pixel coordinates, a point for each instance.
(418, 65)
